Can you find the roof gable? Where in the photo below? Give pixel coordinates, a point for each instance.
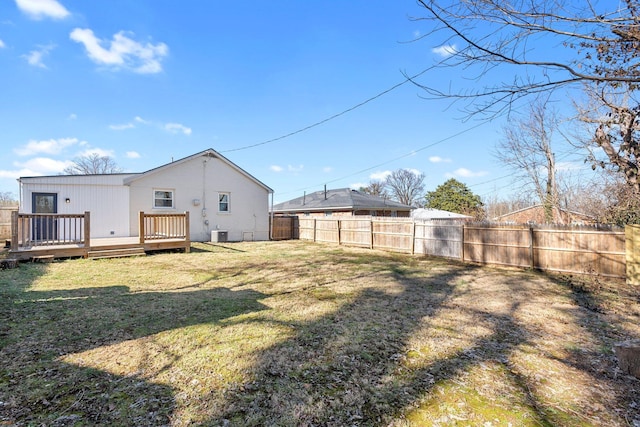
(206, 153)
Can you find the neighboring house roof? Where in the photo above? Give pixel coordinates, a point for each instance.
(428, 213)
(535, 213)
(210, 153)
(340, 199)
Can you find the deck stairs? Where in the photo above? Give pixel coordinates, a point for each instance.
(116, 253)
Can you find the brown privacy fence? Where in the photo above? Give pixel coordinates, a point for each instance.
(581, 250)
(5, 221)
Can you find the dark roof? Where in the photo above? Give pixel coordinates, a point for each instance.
(340, 199)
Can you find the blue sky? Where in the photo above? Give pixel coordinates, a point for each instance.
(148, 81)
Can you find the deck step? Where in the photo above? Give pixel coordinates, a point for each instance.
(116, 253)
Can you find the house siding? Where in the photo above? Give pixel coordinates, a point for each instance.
(196, 183)
(103, 195)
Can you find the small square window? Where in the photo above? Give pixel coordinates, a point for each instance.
(223, 202)
(163, 199)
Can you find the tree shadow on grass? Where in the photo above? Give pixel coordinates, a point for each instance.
(39, 328)
(602, 312)
(354, 367)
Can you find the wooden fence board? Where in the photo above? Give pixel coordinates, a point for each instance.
(632, 244)
(438, 238)
(577, 250)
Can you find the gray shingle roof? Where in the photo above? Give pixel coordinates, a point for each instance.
(342, 198)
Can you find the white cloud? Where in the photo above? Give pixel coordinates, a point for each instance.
(327, 169)
(295, 169)
(99, 151)
(72, 116)
(445, 50)
(123, 52)
(438, 159)
(2, 45)
(174, 128)
(466, 173)
(41, 166)
(122, 126)
(38, 9)
(569, 166)
(177, 128)
(276, 168)
(358, 185)
(132, 155)
(36, 57)
(49, 146)
(379, 176)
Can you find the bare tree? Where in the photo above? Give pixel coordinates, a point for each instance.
(406, 186)
(526, 148)
(7, 198)
(376, 188)
(92, 164)
(614, 117)
(593, 43)
(577, 42)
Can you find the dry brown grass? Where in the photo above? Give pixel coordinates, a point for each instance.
(302, 334)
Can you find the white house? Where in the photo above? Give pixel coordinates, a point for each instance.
(218, 194)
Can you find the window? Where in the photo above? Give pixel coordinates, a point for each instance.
(223, 202)
(163, 199)
(328, 213)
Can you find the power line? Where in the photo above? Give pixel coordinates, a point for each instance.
(411, 153)
(323, 121)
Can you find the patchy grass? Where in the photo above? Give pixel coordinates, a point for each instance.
(301, 334)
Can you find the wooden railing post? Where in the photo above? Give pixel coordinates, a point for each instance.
(187, 233)
(141, 230)
(14, 230)
(87, 229)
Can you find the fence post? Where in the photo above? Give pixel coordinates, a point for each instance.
(315, 226)
(413, 237)
(371, 232)
(339, 229)
(632, 250)
(531, 256)
(462, 243)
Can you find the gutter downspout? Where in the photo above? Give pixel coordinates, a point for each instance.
(271, 222)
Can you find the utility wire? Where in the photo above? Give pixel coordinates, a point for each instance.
(323, 121)
(409, 154)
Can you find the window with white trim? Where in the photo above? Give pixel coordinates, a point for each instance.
(223, 203)
(163, 199)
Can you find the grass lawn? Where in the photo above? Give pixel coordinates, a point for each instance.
(302, 334)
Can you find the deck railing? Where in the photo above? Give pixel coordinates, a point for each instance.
(164, 226)
(30, 230)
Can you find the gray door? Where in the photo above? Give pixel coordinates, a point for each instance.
(44, 228)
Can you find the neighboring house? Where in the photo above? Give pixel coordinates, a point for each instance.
(426, 214)
(217, 193)
(342, 202)
(535, 215)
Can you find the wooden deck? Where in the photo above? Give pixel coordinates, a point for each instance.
(101, 248)
(155, 232)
